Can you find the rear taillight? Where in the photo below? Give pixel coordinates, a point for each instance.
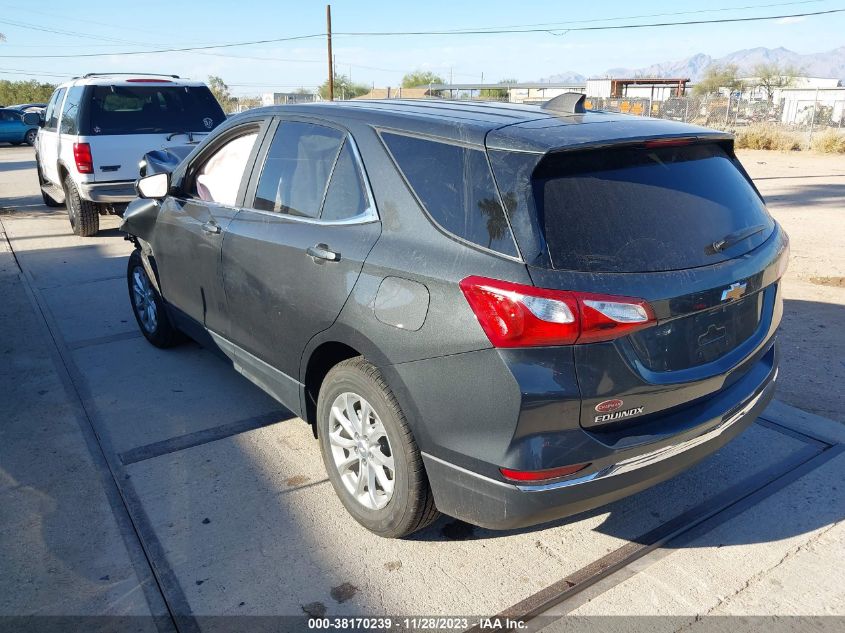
(515, 315)
(82, 156)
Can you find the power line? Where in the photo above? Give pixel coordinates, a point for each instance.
(586, 28)
(185, 49)
(649, 15)
(422, 33)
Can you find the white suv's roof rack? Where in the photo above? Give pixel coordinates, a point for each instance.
(88, 75)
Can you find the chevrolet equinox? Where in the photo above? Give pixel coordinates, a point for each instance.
(505, 313)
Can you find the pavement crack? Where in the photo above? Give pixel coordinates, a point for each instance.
(756, 578)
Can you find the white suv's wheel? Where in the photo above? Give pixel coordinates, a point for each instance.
(84, 215)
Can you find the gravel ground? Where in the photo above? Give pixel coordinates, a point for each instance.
(805, 192)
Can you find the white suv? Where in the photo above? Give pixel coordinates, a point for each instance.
(97, 128)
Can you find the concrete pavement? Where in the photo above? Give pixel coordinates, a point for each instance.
(170, 474)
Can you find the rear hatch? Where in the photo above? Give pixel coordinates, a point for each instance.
(123, 122)
(673, 221)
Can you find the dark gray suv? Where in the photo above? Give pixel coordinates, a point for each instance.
(504, 313)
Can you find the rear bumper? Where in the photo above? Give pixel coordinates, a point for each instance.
(118, 192)
(494, 504)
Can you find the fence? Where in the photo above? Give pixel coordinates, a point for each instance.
(801, 118)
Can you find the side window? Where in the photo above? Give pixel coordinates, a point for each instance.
(219, 178)
(297, 169)
(346, 196)
(70, 111)
(52, 115)
(456, 188)
(5, 115)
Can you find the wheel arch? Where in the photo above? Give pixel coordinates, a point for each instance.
(337, 344)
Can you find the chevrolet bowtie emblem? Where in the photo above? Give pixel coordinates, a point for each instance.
(735, 291)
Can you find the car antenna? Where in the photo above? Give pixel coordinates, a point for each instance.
(567, 103)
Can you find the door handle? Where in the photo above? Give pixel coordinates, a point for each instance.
(210, 227)
(321, 251)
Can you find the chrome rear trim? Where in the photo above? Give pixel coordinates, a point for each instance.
(647, 459)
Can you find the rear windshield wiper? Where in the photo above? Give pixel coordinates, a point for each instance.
(733, 238)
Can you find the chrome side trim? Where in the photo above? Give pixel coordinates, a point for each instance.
(647, 459)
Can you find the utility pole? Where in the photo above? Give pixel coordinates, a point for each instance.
(329, 42)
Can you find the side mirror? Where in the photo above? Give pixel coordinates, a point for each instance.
(154, 187)
(31, 118)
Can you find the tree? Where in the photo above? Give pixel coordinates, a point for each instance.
(498, 93)
(716, 76)
(772, 76)
(221, 92)
(419, 78)
(343, 88)
(31, 91)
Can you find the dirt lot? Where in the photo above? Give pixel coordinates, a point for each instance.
(805, 192)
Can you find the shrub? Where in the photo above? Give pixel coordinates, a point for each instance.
(767, 137)
(830, 142)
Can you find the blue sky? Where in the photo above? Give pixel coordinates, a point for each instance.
(113, 26)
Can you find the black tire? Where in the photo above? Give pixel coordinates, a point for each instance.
(84, 215)
(161, 333)
(411, 506)
(29, 137)
(47, 198)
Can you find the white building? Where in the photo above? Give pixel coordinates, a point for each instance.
(284, 98)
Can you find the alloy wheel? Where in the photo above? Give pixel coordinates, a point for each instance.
(361, 451)
(143, 296)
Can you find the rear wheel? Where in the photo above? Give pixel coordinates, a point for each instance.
(369, 452)
(84, 215)
(148, 305)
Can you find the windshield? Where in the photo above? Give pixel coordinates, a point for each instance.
(152, 109)
(642, 209)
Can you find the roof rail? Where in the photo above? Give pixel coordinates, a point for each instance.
(87, 75)
(567, 103)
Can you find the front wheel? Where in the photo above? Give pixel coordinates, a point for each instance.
(29, 139)
(369, 452)
(148, 305)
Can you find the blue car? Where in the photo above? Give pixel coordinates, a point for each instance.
(15, 130)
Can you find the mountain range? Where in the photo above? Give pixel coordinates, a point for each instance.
(826, 64)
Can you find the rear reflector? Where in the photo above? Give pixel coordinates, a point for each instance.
(83, 159)
(516, 315)
(535, 476)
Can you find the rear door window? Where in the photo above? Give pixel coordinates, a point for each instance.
(51, 116)
(643, 210)
(456, 188)
(346, 196)
(297, 169)
(70, 112)
(161, 108)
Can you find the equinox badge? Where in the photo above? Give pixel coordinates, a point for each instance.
(735, 291)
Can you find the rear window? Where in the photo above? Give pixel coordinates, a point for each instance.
(153, 109)
(456, 188)
(643, 210)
